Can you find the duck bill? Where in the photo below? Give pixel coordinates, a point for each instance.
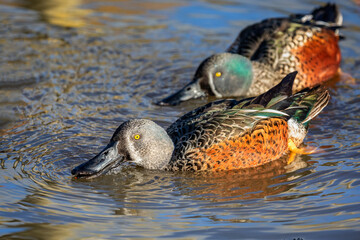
(107, 159)
(190, 91)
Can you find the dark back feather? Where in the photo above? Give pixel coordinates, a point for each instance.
(284, 88)
(257, 41)
(223, 120)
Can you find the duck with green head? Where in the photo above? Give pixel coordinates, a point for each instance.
(265, 52)
(222, 135)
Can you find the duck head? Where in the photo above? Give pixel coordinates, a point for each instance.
(140, 141)
(220, 75)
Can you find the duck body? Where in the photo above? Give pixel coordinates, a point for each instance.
(287, 45)
(222, 135)
(265, 52)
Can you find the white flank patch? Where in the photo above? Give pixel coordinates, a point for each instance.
(297, 131)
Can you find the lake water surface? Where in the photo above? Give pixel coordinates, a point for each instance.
(72, 71)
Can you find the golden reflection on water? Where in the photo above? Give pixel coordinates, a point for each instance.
(71, 13)
(49, 231)
(65, 13)
(259, 182)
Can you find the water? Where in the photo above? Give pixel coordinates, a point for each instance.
(72, 71)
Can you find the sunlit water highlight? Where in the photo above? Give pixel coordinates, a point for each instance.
(72, 71)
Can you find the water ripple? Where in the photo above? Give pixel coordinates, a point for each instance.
(64, 90)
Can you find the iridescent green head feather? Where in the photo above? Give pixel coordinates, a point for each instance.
(220, 75)
(225, 74)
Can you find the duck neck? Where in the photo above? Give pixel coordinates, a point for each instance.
(162, 159)
(158, 154)
(264, 79)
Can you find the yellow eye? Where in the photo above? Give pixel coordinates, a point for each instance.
(137, 137)
(218, 74)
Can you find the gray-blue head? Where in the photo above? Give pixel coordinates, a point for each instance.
(220, 75)
(140, 141)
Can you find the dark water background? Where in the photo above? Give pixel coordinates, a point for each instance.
(72, 71)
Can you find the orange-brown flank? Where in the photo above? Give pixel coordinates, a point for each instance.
(265, 143)
(318, 59)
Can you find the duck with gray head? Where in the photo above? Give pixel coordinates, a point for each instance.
(265, 52)
(221, 135)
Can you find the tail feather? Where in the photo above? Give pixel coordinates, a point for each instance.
(302, 106)
(319, 105)
(279, 101)
(327, 16)
(329, 13)
(307, 104)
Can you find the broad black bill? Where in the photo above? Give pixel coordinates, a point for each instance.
(107, 159)
(190, 91)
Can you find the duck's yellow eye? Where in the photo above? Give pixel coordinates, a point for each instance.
(218, 74)
(137, 137)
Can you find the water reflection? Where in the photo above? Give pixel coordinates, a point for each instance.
(64, 13)
(76, 14)
(70, 87)
(43, 231)
(261, 182)
(143, 193)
